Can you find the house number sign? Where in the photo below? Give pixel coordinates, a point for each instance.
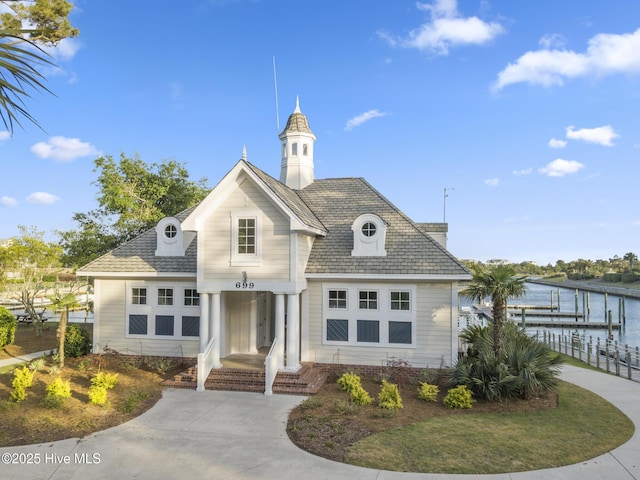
(244, 285)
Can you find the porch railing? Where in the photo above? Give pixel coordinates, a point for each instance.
(205, 364)
(270, 368)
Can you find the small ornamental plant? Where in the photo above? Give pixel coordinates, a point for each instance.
(100, 383)
(97, 395)
(57, 393)
(22, 379)
(459, 397)
(428, 392)
(389, 396)
(350, 382)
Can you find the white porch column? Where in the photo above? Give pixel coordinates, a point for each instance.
(293, 332)
(205, 298)
(280, 328)
(215, 328)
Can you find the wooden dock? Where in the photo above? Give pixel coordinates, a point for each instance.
(557, 319)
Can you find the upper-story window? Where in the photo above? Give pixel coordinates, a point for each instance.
(305, 149)
(165, 296)
(246, 225)
(294, 149)
(369, 236)
(246, 236)
(139, 296)
(170, 231)
(170, 238)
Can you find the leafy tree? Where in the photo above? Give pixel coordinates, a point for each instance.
(133, 196)
(499, 283)
(631, 258)
(24, 29)
(30, 259)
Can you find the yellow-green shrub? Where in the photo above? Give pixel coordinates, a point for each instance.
(22, 379)
(57, 392)
(352, 383)
(428, 392)
(389, 396)
(459, 397)
(106, 380)
(97, 395)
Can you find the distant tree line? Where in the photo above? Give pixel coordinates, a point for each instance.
(616, 268)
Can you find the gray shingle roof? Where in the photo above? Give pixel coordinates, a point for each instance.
(330, 206)
(138, 255)
(338, 202)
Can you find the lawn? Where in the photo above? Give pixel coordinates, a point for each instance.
(568, 426)
(30, 421)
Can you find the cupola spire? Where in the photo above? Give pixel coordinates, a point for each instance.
(296, 170)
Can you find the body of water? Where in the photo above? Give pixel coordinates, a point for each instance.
(541, 295)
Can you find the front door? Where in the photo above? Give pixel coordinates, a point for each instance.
(241, 322)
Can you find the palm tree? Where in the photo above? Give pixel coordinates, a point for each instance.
(631, 258)
(499, 283)
(18, 61)
(63, 302)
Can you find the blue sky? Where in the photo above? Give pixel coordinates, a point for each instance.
(526, 112)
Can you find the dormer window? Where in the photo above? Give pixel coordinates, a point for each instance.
(369, 235)
(170, 241)
(369, 229)
(170, 231)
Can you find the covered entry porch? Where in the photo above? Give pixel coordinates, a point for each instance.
(246, 323)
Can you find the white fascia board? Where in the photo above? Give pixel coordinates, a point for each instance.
(371, 276)
(136, 274)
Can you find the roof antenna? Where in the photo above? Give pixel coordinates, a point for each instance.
(275, 83)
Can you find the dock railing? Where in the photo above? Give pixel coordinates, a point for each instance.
(610, 356)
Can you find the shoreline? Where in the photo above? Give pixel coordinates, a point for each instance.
(589, 286)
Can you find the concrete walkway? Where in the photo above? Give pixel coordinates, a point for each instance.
(238, 436)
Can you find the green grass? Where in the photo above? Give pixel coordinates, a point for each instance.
(582, 427)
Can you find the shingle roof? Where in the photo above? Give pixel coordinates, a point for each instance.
(138, 255)
(338, 202)
(330, 206)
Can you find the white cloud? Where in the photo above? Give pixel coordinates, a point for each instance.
(63, 149)
(526, 171)
(552, 40)
(555, 143)
(65, 50)
(560, 168)
(601, 135)
(42, 198)
(492, 182)
(363, 117)
(607, 54)
(8, 201)
(4, 136)
(446, 29)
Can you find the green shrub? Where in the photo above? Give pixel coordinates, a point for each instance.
(8, 326)
(104, 380)
(38, 364)
(352, 383)
(131, 402)
(629, 277)
(22, 379)
(389, 396)
(612, 277)
(97, 395)
(57, 392)
(459, 397)
(428, 392)
(76, 341)
(524, 368)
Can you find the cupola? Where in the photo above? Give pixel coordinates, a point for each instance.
(297, 139)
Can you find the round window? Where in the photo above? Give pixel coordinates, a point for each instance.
(369, 229)
(170, 231)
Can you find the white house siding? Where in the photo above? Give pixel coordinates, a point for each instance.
(110, 326)
(274, 238)
(433, 330)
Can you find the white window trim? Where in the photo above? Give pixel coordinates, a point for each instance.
(244, 259)
(369, 246)
(383, 314)
(151, 309)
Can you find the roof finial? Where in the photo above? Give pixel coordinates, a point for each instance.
(244, 153)
(297, 110)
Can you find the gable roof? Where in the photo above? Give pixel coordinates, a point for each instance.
(138, 255)
(327, 208)
(410, 251)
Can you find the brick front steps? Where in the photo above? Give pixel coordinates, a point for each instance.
(306, 381)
